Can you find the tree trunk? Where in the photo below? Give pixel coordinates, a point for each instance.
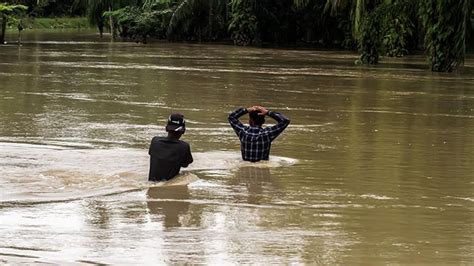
(227, 12)
(200, 34)
(112, 26)
(101, 30)
(100, 26)
(4, 28)
(211, 17)
(358, 16)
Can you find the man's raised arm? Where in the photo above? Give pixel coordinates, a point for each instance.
(282, 122)
(234, 119)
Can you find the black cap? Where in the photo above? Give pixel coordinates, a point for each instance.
(176, 123)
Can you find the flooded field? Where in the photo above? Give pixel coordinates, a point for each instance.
(376, 166)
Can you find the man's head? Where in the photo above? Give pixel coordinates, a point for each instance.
(176, 124)
(256, 119)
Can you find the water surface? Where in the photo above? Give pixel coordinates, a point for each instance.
(376, 167)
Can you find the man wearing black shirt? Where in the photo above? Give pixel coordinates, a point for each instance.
(169, 154)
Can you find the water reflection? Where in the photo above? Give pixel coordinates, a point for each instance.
(254, 179)
(168, 204)
(97, 214)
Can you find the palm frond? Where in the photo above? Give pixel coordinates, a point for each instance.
(183, 11)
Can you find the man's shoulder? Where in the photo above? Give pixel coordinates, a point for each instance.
(168, 140)
(157, 138)
(184, 143)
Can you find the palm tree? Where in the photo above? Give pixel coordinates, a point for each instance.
(95, 11)
(357, 10)
(198, 18)
(446, 25)
(243, 22)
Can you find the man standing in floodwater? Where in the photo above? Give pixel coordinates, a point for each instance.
(255, 141)
(169, 154)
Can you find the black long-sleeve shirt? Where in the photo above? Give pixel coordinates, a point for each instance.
(167, 156)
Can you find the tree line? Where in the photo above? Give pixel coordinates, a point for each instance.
(441, 28)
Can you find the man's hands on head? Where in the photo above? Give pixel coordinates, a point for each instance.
(251, 109)
(261, 110)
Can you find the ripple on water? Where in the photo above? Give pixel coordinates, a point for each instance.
(48, 173)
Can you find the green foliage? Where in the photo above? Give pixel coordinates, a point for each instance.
(186, 16)
(56, 23)
(198, 20)
(243, 22)
(96, 8)
(12, 10)
(355, 9)
(369, 40)
(397, 27)
(53, 8)
(446, 23)
(7, 12)
(348, 41)
(386, 28)
(376, 27)
(138, 23)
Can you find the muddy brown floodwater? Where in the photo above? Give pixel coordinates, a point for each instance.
(377, 166)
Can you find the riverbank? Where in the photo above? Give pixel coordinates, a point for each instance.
(55, 23)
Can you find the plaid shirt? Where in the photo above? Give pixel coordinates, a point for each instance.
(255, 141)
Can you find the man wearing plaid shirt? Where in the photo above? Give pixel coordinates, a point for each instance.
(255, 141)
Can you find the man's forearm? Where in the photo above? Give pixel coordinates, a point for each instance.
(235, 115)
(234, 119)
(278, 117)
(238, 113)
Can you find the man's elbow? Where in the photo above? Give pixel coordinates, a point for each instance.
(186, 164)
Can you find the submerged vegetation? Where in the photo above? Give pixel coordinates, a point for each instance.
(442, 28)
